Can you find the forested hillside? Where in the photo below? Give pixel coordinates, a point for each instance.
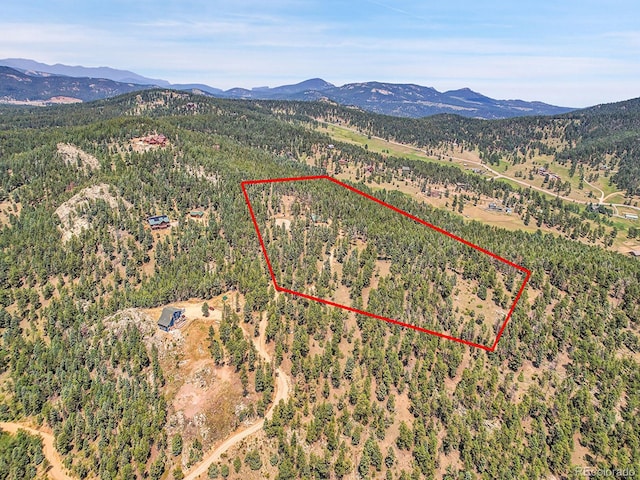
(605, 135)
(368, 399)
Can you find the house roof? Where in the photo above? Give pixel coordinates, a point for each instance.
(158, 220)
(635, 253)
(167, 315)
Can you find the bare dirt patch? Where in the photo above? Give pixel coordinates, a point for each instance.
(8, 208)
(205, 400)
(73, 156)
(283, 222)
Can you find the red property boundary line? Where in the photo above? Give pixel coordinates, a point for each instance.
(278, 288)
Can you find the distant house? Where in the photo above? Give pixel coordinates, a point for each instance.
(169, 317)
(406, 169)
(159, 140)
(635, 253)
(342, 161)
(317, 218)
(158, 222)
(495, 207)
(630, 216)
(196, 213)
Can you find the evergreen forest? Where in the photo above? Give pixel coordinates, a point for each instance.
(368, 399)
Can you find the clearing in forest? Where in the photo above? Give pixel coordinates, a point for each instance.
(326, 241)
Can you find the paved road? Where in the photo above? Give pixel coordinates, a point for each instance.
(282, 392)
(57, 470)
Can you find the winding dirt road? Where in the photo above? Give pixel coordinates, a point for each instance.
(498, 174)
(57, 470)
(282, 392)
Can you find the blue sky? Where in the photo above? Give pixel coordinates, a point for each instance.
(565, 52)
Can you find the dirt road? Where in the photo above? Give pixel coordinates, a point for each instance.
(57, 470)
(282, 392)
(500, 175)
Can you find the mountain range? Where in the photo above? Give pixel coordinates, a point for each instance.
(26, 80)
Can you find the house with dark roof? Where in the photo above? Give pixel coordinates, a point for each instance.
(169, 317)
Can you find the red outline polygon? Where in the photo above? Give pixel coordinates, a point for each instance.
(408, 215)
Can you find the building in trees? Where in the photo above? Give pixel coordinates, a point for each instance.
(171, 317)
(158, 222)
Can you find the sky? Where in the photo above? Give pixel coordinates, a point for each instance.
(573, 53)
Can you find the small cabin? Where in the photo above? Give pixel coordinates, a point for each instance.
(158, 222)
(196, 213)
(169, 317)
(630, 216)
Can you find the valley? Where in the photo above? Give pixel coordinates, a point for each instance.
(622, 207)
